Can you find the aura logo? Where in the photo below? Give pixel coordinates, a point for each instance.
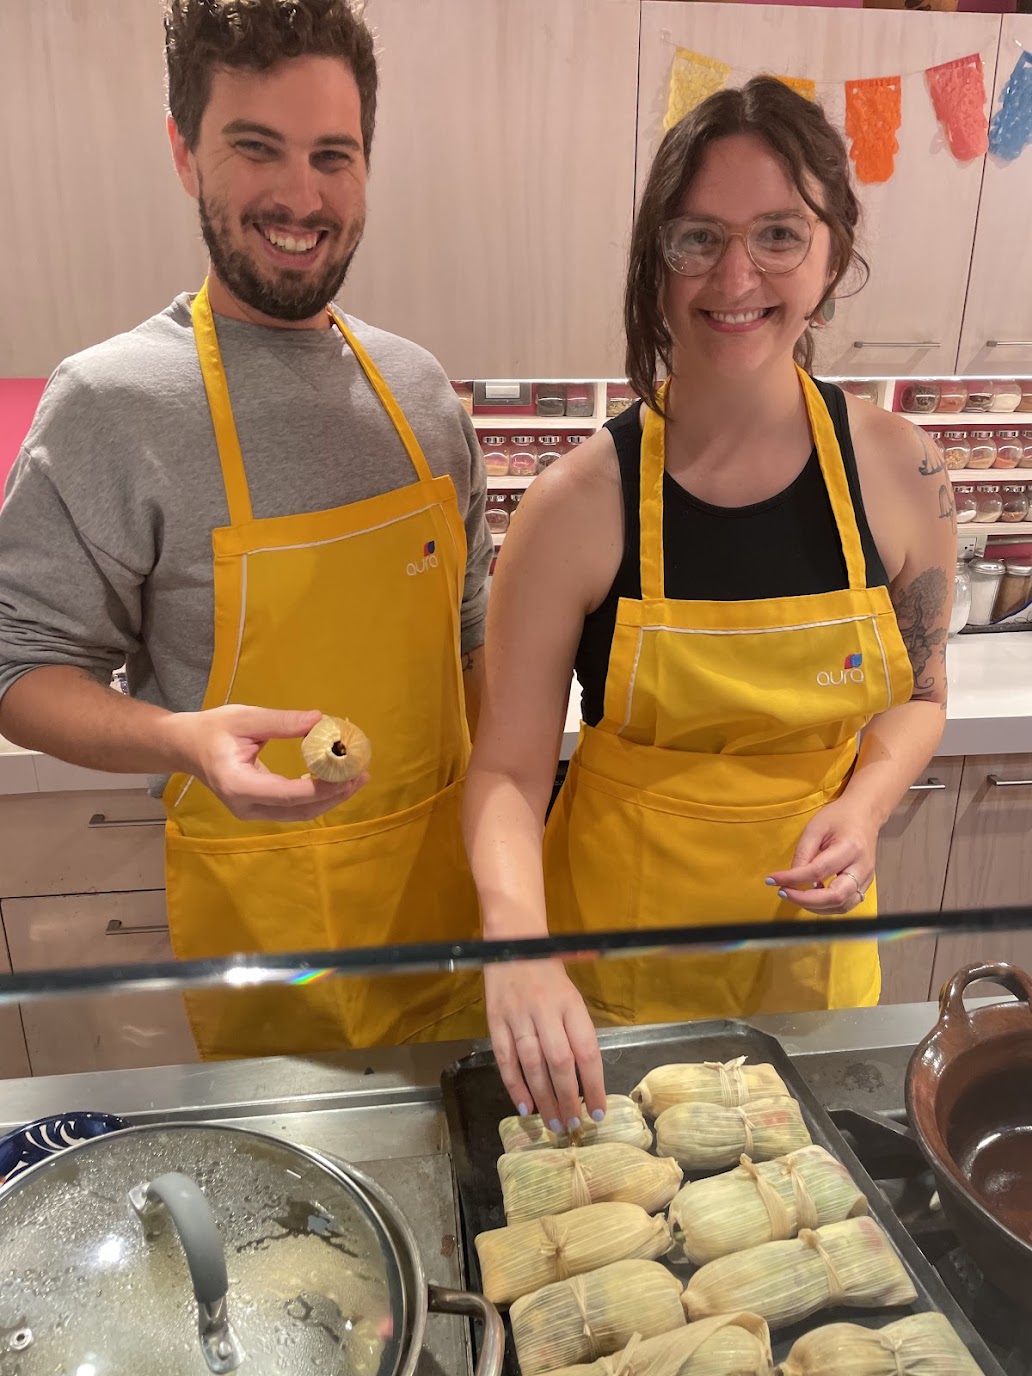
(428, 561)
(851, 672)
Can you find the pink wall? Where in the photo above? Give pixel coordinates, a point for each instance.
(19, 397)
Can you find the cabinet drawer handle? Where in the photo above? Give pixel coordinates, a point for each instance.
(896, 344)
(116, 927)
(929, 786)
(99, 820)
(997, 782)
(1008, 343)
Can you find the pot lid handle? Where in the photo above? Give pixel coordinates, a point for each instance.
(951, 1000)
(178, 1197)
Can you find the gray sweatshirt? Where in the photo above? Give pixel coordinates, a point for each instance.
(105, 531)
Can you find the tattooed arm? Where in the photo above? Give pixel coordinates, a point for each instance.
(839, 844)
(473, 685)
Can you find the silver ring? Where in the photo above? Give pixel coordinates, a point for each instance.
(848, 874)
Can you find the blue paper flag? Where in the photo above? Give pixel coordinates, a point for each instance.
(1011, 129)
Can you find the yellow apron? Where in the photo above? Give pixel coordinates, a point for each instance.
(726, 727)
(354, 610)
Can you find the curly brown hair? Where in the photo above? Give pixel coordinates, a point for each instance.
(814, 154)
(201, 35)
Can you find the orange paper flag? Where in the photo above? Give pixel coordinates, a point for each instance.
(802, 85)
(693, 77)
(872, 121)
(958, 96)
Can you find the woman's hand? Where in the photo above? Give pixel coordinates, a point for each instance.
(838, 844)
(543, 1039)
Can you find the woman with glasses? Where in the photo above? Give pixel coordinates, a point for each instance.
(746, 571)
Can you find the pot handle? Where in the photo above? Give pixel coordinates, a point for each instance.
(182, 1200)
(951, 999)
(492, 1349)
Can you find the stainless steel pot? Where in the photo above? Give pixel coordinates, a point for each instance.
(196, 1248)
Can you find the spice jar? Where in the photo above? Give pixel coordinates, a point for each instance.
(985, 582)
(1025, 404)
(988, 503)
(964, 499)
(955, 449)
(953, 395)
(867, 390)
(980, 396)
(983, 449)
(549, 449)
(961, 598)
(1026, 449)
(523, 456)
(550, 399)
(1015, 502)
(1006, 396)
(920, 397)
(496, 513)
(496, 455)
(580, 399)
(573, 441)
(1014, 593)
(1008, 449)
(618, 397)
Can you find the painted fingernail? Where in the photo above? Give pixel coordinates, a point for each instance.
(523, 1110)
(782, 893)
(555, 1125)
(598, 1114)
(572, 1124)
(769, 883)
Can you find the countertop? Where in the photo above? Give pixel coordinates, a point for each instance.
(990, 713)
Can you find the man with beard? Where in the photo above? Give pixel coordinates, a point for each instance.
(265, 508)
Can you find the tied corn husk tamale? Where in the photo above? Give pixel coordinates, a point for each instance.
(728, 1083)
(921, 1345)
(536, 1183)
(753, 1204)
(851, 1263)
(523, 1257)
(587, 1317)
(727, 1345)
(707, 1137)
(623, 1123)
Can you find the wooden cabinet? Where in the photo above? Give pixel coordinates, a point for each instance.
(106, 1031)
(502, 183)
(913, 853)
(990, 860)
(999, 299)
(14, 1058)
(918, 228)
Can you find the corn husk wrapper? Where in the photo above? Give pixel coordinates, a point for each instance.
(523, 1257)
(754, 1204)
(587, 1317)
(850, 1263)
(706, 1137)
(921, 1345)
(623, 1123)
(728, 1083)
(728, 1345)
(536, 1183)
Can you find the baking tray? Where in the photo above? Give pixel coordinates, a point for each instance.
(475, 1102)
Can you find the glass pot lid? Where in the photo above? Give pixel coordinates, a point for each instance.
(192, 1248)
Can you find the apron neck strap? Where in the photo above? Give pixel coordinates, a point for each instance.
(231, 459)
(829, 454)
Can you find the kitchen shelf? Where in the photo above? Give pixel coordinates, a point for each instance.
(998, 528)
(990, 475)
(494, 484)
(530, 423)
(1013, 420)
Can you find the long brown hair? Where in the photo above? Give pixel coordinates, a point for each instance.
(201, 35)
(814, 154)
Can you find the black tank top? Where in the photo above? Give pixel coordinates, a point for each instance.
(786, 546)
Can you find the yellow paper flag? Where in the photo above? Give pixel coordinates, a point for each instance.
(802, 85)
(693, 77)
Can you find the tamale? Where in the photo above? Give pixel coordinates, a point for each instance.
(851, 1263)
(921, 1345)
(623, 1123)
(587, 1317)
(727, 1083)
(727, 1345)
(536, 1183)
(523, 1257)
(706, 1137)
(754, 1204)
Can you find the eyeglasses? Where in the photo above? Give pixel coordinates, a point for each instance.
(774, 243)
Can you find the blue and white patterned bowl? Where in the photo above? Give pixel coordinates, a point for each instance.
(46, 1137)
